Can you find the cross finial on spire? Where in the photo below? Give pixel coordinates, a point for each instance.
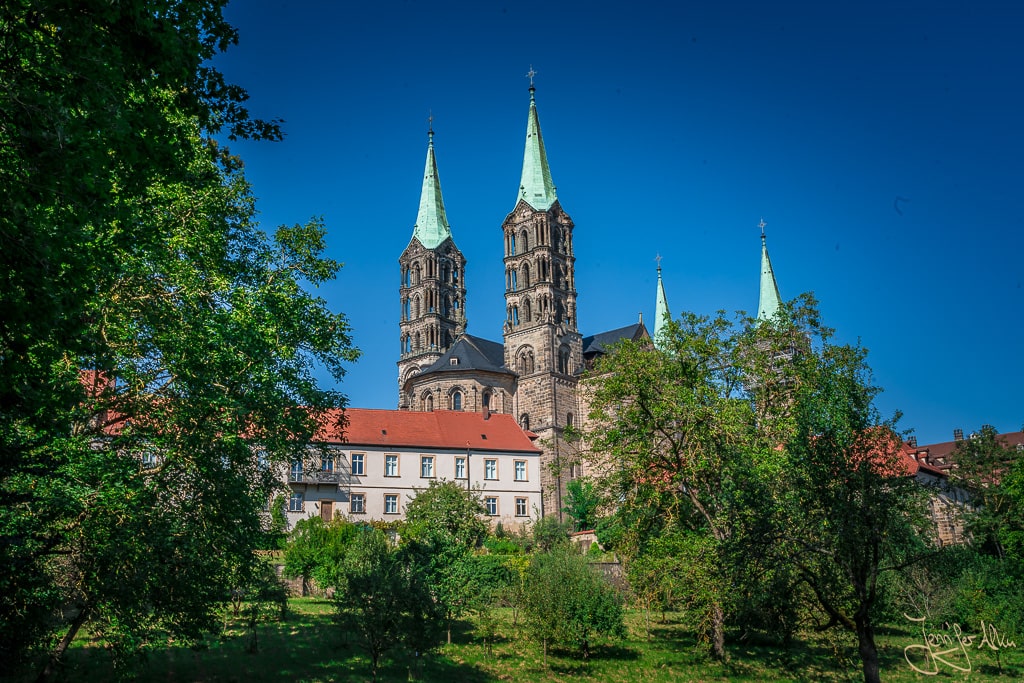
(761, 225)
(658, 259)
(530, 74)
(430, 122)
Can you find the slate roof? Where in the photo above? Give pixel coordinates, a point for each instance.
(600, 342)
(439, 429)
(472, 353)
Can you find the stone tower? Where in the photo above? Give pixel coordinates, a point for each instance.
(432, 291)
(542, 343)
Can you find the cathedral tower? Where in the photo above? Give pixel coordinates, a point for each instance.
(542, 343)
(432, 290)
(769, 301)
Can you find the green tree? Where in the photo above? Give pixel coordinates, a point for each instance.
(131, 495)
(567, 602)
(671, 426)
(581, 502)
(851, 513)
(384, 594)
(449, 523)
(549, 533)
(992, 473)
(316, 549)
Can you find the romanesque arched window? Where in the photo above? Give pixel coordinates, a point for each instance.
(524, 421)
(486, 399)
(525, 363)
(513, 280)
(511, 238)
(406, 276)
(524, 242)
(526, 275)
(526, 310)
(456, 400)
(428, 402)
(515, 315)
(416, 306)
(416, 273)
(563, 360)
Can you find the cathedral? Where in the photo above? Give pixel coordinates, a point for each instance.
(534, 372)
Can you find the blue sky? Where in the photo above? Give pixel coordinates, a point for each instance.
(881, 142)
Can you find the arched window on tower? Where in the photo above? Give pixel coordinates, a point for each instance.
(416, 306)
(526, 275)
(515, 315)
(486, 400)
(428, 402)
(406, 276)
(416, 273)
(514, 280)
(524, 421)
(419, 342)
(407, 344)
(524, 242)
(406, 309)
(511, 244)
(455, 276)
(456, 400)
(563, 360)
(526, 310)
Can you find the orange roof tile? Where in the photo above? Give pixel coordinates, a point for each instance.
(437, 429)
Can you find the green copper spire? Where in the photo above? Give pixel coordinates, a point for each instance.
(536, 187)
(661, 314)
(431, 223)
(770, 301)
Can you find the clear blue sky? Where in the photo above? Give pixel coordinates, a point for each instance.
(881, 142)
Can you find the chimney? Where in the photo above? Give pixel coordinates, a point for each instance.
(958, 435)
(912, 442)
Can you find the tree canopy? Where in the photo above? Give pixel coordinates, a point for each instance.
(155, 343)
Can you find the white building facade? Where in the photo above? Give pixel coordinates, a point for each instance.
(375, 465)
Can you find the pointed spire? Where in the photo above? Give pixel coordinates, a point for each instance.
(536, 187)
(661, 313)
(431, 223)
(770, 301)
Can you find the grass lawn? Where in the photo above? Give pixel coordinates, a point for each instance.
(310, 646)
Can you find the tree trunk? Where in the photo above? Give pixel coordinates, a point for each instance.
(717, 632)
(62, 647)
(867, 649)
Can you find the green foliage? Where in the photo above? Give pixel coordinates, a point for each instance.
(852, 512)
(132, 496)
(549, 534)
(384, 593)
(566, 602)
(582, 500)
(992, 472)
(447, 513)
(316, 550)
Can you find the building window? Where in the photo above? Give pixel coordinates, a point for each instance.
(428, 403)
(490, 469)
(491, 503)
(357, 464)
(327, 463)
(524, 421)
(521, 507)
(486, 400)
(296, 471)
(150, 460)
(427, 466)
(358, 505)
(390, 465)
(296, 503)
(568, 419)
(520, 470)
(457, 400)
(460, 468)
(390, 503)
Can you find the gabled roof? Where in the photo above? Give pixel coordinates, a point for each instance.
(440, 429)
(600, 342)
(471, 353)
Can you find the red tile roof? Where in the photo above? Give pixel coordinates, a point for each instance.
(437, 429)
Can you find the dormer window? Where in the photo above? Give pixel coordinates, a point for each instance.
(453, 361)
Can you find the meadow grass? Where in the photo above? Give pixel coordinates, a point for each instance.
(311, 646)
